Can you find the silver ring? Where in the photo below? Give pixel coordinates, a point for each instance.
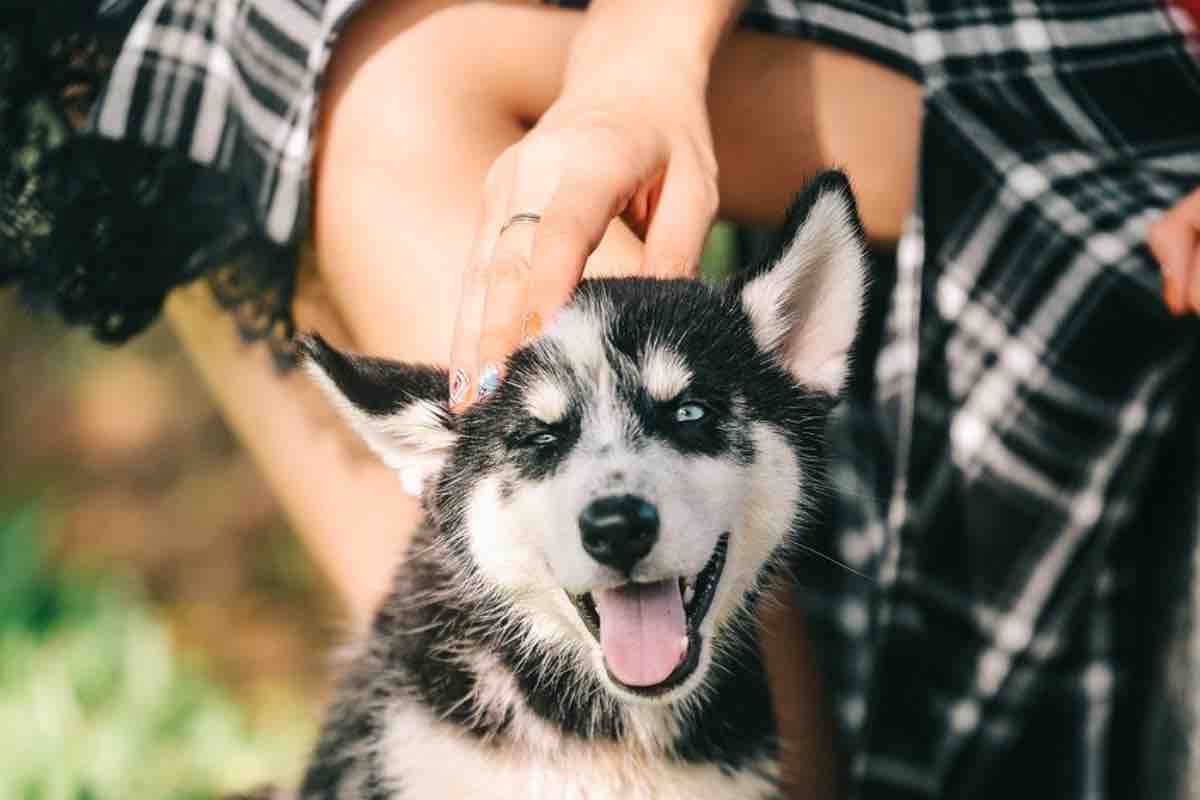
(525, 217)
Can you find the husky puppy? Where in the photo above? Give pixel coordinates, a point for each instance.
(576, 617)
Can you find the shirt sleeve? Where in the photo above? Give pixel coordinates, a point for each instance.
(147, 143)
(233, 86)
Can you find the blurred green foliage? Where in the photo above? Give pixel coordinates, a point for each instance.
(94, 702)
(720, 253)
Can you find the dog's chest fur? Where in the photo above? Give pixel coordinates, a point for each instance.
(424, 757)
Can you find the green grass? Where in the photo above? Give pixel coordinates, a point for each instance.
(95, 704)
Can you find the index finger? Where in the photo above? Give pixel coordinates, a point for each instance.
(464, 348)
(507, 286)
(537, 166)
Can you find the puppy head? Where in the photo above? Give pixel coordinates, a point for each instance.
(645, 459)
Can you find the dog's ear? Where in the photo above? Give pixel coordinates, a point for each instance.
(401, 411)
(804, 303)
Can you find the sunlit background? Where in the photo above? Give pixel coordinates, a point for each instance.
(162, 635)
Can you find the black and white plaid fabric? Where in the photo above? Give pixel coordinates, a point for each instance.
(1030, 402)
(233, 84)
(1003, 468)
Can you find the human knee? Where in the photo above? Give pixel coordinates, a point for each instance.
(457, 42)
(392, 76)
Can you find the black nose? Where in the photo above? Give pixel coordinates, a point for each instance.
(619, 531)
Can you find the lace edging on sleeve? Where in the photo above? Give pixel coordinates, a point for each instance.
(100, 228)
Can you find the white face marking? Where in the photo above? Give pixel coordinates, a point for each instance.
(509, 551)
(664, 373)
(776, 484)
(579, 332)
(547, 400)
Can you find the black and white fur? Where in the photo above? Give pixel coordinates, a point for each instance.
(480, 676)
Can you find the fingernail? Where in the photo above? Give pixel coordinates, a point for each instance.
(531, 326)
(489, 381)
(458, 387)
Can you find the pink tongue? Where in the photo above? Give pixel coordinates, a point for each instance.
(642, 630)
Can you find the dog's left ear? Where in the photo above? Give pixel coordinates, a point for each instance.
(805, 302)
(401, 411)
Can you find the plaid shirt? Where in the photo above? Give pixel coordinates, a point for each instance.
(1026, 428)
(234, 85)
(1028, 402)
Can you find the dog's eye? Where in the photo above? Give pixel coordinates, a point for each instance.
(541, 439)
(689, 412)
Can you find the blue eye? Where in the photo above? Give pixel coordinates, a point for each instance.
(689, 412)
(542, 439)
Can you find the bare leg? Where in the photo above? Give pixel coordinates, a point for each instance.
(336, 496)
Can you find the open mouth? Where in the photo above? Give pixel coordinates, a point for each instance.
(650, 632)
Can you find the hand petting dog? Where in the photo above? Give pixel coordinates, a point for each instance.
(629, 136)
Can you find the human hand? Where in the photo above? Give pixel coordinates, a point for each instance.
(1175, 241)
(629, 138)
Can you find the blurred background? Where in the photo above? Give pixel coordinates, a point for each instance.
(162, 632)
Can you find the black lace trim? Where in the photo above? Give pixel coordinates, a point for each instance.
(100, 231)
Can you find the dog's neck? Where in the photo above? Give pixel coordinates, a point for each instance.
(489, 684)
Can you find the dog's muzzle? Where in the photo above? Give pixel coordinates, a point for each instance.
(649, 632)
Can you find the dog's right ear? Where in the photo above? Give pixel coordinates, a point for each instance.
(400, 410)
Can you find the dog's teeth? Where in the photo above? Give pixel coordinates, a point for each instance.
(689, 594)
